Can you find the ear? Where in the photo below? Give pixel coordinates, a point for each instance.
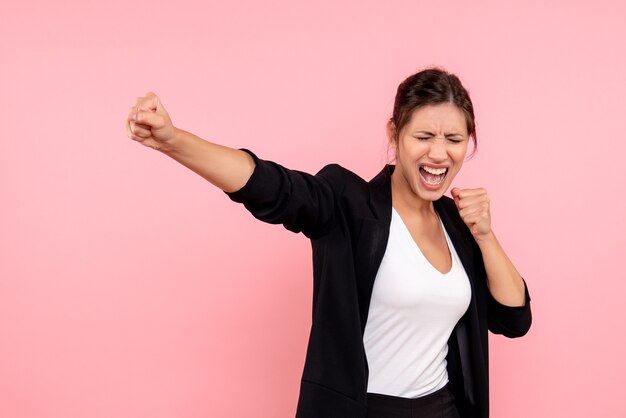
(391, 132)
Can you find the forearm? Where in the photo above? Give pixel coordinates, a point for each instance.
(226, 168)
(504, 282)
(149, 123)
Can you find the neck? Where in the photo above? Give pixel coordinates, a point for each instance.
(403, 197)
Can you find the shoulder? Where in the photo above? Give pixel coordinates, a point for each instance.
(338, 172)
(341, 179)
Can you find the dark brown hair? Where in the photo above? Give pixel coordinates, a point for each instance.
(430, 87)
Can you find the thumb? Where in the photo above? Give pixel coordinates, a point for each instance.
(456, 192)
(150, 102)
(158, 106)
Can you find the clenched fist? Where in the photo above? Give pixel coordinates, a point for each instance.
(149, 123)
(473, 205)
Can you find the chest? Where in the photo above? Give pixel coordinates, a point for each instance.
(406, 278)
(427, 237)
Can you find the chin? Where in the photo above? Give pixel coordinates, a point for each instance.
(431, 196)
(431, 193)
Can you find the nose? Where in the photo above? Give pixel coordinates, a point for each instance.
(438, 151)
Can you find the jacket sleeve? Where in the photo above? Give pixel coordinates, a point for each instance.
(300, 201)
(510, 321)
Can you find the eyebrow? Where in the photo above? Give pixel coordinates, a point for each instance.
(447, 135)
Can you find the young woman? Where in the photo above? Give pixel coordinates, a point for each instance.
(407, 282)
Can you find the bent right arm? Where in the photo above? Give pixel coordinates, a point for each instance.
(149, 124)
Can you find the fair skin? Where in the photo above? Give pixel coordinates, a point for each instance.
(430, 150)
(435, 140)
(149, 124)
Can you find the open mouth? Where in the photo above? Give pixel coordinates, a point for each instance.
(433, 176)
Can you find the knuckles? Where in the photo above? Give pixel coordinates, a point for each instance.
(468, 197)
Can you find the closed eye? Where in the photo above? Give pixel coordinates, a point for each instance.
(455, 138)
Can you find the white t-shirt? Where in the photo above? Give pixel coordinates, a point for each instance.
(413, 310)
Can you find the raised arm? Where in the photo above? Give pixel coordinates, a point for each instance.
(149, 124)
(271, 192)
(509, 311)
(505, 283)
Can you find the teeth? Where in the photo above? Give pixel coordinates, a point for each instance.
(435, 171)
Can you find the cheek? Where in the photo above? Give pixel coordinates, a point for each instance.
(458, 155)
(414, 149)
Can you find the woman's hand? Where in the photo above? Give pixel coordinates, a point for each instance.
(149, 123)
(473, 205)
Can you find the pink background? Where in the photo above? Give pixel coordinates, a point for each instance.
(129, 287)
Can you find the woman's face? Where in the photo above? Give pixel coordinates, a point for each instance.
(430, 151)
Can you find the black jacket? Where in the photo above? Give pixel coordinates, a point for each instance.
(347, 220)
